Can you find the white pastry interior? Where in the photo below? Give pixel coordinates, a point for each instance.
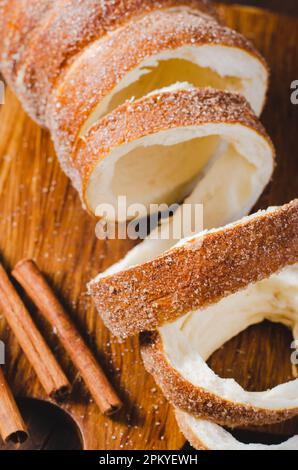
(162, 168)
(189, 341)
(216, 66)
(222, 167)
(210, 436)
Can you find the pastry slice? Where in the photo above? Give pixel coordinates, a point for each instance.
(200, 294)
(160, 49)
(204, 435)
(41, 38)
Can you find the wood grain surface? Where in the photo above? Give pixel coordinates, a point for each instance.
(41, 217)
(289, 7)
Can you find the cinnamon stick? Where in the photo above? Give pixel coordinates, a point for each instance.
(12, 426)
(29, 276)
(32, 343)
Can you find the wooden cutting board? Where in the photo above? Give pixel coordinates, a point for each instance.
(41, 217)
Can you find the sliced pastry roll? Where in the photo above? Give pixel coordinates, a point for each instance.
(254, 265)
(173, 143)
(198, 295)
(41, 38)
(206, 138)
(157, 50)
(72, 62)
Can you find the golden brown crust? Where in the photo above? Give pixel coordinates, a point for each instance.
(198, 273)
(198, 401)
(86, 85)
(18, 19)
(156, 113)
(69, 26)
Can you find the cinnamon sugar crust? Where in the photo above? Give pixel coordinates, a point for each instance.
(197, 401)
(87, 84)
(55, 38)
(199, 272)
(19, 19)
(156, 113)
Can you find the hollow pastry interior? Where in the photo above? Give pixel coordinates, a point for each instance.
(216, 66)
(121, 68)
(210, 436)
(222, 166)
(190, 341)
(166, 166)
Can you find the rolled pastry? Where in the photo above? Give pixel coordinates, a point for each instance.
(72, 62)
(176, 354)
(160, 49)
(43, 37)
(198, 295)
(198, 272)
